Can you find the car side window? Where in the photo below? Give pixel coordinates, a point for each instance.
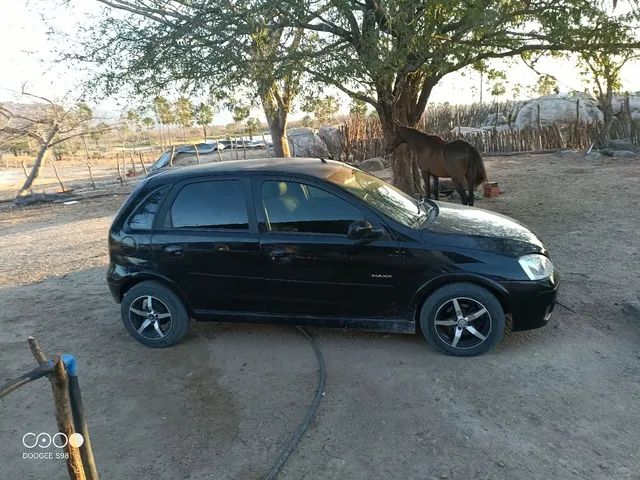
(297, 207)
(216, 204)
(142, 217)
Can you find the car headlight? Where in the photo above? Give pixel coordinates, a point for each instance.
(536, 266)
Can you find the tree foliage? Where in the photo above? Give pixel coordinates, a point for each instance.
(392, 53)
(323, 108)
(546, 85)
(219, 47)
(602, 68)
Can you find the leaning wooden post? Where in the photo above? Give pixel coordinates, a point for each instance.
(195, 149)
(144, 167)
(218, 150)
(173, 152)
(133, 164)
(55, 169)
(118, 167)
(60, 386)
(93, 183)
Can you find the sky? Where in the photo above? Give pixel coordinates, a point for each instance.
(27, 58)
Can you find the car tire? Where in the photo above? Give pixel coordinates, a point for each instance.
(162, 323)
(462, 319)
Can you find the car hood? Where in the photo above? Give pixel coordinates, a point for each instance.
(484, 230)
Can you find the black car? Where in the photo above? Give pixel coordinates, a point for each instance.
(316, 242)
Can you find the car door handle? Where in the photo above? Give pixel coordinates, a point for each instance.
(280, 256)
(174, 250)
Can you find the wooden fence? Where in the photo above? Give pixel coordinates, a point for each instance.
(363, 138)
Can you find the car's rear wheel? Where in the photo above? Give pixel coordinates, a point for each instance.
(154, 315)
(462, 319)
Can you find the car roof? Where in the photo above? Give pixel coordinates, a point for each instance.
(306, 166)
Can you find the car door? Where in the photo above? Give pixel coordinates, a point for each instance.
(206, 241)
(311, 266)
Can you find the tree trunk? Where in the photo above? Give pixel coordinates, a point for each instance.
(39, 162)
(204, 131)
(406, 175)
(278, 131)
(603, 140)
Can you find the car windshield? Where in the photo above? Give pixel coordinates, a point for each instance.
(382, 196)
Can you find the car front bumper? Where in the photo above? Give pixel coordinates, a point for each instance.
(531, 302)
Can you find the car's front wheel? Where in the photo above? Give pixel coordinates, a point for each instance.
(462, 319)
(154, 315)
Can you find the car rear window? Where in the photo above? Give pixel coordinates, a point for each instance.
(218, 204)
(142, 217)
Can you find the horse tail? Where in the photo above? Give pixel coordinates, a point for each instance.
(477, 173)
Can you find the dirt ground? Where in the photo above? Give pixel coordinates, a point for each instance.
(561, 402)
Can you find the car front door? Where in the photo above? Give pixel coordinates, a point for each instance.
(311, 265)
(206, 241)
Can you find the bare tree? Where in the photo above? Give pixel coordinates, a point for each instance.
(49, 124)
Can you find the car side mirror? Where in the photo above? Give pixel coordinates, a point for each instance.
(363, 231)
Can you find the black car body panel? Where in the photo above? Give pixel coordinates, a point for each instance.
(320, 279)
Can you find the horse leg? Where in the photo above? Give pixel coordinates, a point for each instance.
(460, 189)
(470, 182)
(427, 183)
(436, 188)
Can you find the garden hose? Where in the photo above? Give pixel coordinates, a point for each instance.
(291, 444)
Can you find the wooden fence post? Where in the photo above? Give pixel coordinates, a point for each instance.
(195, 149)
(55, 170)
(144, 168)
(133, 164)
(173, 152)
(93, 183)
(59, 385)
(118, 167)
(218, 150)
(539, 128)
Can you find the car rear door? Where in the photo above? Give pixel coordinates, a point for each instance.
(206, 241)
(311, 267)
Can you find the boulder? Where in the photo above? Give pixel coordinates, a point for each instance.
(559, 109)
(304, 142)
(593, 156)
(497, 128)
(623, 154)
(624, 144)
(333, 138)
(467, 131)
(495, 119)
(372, 164)
(618, 104)
(568, 153)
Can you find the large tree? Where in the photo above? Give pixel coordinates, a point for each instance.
(49, 124)
(602, 69)
(392, 53)
(219, 46)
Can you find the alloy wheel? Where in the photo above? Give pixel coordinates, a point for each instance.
(150, 317)
(462, 323)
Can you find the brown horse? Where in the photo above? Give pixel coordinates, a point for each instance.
(436, 158)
